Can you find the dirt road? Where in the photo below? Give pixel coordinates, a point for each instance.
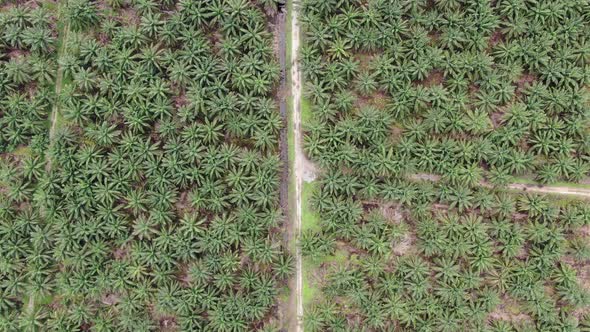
(299, 157)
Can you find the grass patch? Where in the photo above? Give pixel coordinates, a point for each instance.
(340, 257)
(45, 300)
(285, 293)
(22, 151)
(291, 155)
(306, 114)
(564, 202)
(311, 287)
(310, 220)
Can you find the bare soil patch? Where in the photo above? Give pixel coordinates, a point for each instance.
(130, 17)
(120, 253)
(392, 213)
(509, 310)
(168, 323)
(378, 99)
(523, 82)
(110, 299)
(15, 53)
(436, 77)
(364, 60)
(496, 38)
(496, 118)
(405, 245)
(183, 204)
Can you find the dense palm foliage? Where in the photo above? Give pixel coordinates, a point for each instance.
(443, 259)
(472, 92)
(155, 206)
(500, 85)
(27, 67)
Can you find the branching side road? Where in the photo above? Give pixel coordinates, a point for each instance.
(533, 188)
(552, 190)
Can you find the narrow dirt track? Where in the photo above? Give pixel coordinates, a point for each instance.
(532, 188)
(53, 117)
(58, 86)
(299, 158)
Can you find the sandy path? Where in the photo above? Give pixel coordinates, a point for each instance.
(299, 158)
(533, 188)
(557, 190)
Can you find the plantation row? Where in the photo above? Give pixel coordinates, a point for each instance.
(413, 107)
(140, 170)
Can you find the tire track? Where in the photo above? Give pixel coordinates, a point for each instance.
(299, 158)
